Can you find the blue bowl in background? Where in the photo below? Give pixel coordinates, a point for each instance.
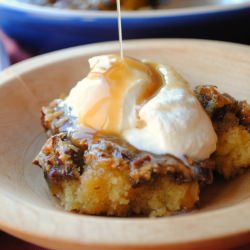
(44, 29)
(4, 59)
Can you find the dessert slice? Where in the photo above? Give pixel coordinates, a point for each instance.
(98, 174)
(131, 138)
(231, 120)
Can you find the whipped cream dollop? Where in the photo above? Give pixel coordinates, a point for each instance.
(148, 104)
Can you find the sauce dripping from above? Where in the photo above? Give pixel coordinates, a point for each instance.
(116, 83)
(118, 3)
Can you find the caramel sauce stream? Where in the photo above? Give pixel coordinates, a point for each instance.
(105, 115)
(118, 3)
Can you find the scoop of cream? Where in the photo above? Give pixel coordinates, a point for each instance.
(148, 104)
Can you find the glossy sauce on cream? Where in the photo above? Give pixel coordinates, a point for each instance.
(105, 113)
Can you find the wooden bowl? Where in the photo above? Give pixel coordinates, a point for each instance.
(28, 211)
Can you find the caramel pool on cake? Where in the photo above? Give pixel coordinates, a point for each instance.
(131, 138)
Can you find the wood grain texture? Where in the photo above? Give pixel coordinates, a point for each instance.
(28, 211)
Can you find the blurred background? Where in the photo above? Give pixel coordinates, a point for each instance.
(32, 27)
